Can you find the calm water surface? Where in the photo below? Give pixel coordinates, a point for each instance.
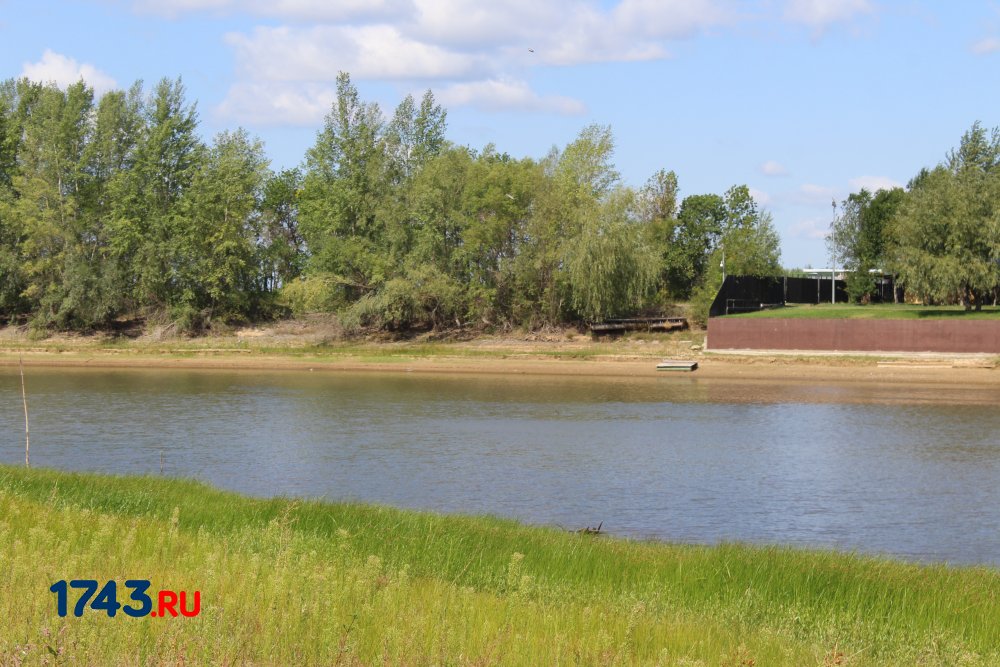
(907, 471)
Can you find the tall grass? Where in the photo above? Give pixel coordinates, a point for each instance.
(294, 582)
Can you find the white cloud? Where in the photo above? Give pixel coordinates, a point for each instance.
(820, 14)
(65, 71)
(874, 183)
(562, 32)
(811, 228)
(505, 95)
(477, 52)
(772, 168)
(326, 10)
(309, 11)
(986, 46)
(367, 52)
(278, 103)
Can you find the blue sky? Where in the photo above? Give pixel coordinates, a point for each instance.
(804, 101)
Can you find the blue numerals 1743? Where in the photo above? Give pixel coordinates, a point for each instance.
(169, 603)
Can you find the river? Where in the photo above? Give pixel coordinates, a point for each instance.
(912, 472)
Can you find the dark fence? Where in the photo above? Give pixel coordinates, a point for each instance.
(741, 294)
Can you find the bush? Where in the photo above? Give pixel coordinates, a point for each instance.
(423, 298)
(321, 293)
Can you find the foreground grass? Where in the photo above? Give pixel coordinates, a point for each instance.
(882, 311)
(289, 582)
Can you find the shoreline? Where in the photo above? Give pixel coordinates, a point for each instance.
(464, 359)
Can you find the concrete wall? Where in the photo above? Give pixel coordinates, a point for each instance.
(738, 333)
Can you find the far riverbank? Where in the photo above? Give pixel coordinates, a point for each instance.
(307, 346)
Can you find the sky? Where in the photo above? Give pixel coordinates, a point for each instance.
(803, 101)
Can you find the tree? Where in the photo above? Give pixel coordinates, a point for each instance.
(282, 246)
(611, 266)
(11, 231)
(749, 241)
(218, 231)
(345, 185)
(416, 134)
(688, 240)
(861, 236)
(147, 222)
(47, 184)
(948, 225)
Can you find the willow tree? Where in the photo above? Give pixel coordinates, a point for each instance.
(612, 267)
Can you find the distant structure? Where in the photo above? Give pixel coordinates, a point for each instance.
(743, 294)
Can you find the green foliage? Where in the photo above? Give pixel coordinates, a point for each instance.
(948, 225)
(116, 207)
(422, 298)
(611, 267)
(748, 245)
(317, 293)
(862, 236)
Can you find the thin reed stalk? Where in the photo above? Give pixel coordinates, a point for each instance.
(24, 399)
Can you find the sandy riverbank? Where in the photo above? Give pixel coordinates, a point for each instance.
(620, 360)
(316, 343)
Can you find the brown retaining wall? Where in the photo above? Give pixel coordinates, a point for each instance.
(739, 333)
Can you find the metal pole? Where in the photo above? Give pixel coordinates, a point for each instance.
(833, 269)
(833, 280)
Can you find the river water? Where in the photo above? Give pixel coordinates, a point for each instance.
(912, 472)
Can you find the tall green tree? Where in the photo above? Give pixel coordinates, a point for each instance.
(218, 230)
(47, 184)
(282, 246)
(688, 240)
(346, 181)
(611, 266)
(147, 221)
(948, 226)
(861, 237)
(11, 231)
(415, 134)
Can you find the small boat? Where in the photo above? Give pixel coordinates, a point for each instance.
(677, 365)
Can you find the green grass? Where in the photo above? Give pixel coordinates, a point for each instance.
(829, 311)
(295, 582)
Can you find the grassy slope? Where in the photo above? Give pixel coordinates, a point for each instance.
(874, 311)
(288, 582)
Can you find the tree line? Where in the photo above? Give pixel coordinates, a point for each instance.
(940, 236)
(114, 207)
